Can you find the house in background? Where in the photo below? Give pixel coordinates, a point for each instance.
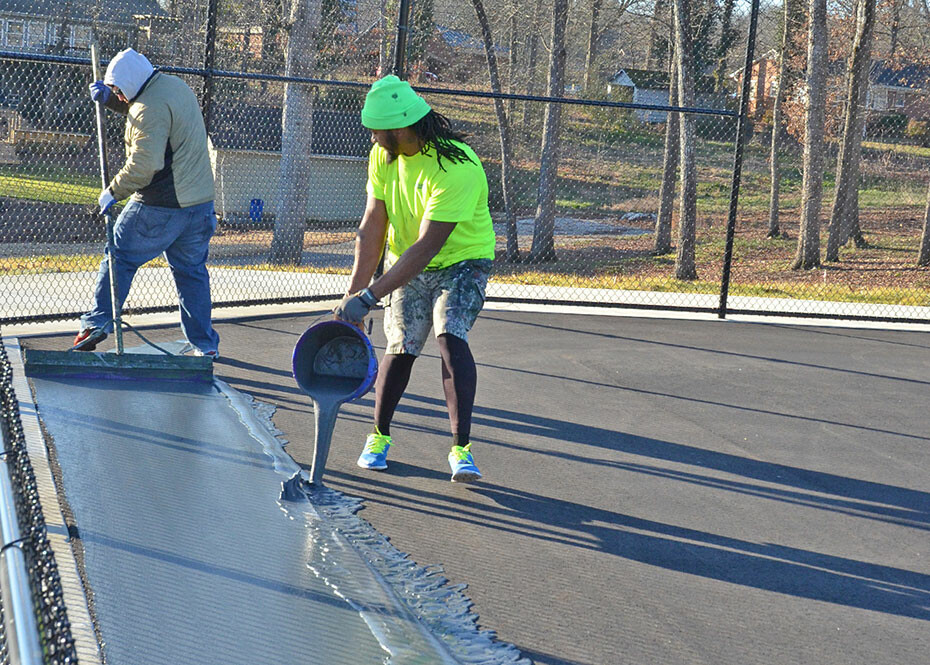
(763, 83)
(66, 27)
(904, 90)
(644, 86)
(246, 154)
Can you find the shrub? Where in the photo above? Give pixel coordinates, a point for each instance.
(887, 126)
(919, 131)
(341, 98)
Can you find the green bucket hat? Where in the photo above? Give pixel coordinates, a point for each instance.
(392, 104)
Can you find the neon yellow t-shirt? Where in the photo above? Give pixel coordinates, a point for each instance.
(415, 189)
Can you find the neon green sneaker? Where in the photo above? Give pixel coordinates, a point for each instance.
(374, 455)
(463, 465)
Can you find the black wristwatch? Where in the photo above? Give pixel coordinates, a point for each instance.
(367, 297)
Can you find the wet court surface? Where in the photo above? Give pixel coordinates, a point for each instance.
(190, 555)
(655, 491)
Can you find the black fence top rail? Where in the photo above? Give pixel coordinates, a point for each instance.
(220, 73)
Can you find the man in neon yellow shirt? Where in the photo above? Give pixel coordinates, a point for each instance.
(428, 198)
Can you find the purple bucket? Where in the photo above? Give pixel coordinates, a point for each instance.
(337, 358)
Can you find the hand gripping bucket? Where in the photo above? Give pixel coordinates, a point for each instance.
(334, 362)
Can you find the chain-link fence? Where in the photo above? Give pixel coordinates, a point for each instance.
(47, 599)
(566, 103)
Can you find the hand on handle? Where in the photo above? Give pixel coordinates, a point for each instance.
(105, 201)
(100, 92)
(355, 307)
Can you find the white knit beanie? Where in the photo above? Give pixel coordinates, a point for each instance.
(128, 70)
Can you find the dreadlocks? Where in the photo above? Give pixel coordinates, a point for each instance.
(435, 129)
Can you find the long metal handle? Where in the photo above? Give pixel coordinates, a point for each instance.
(105, 181)
(19, 618)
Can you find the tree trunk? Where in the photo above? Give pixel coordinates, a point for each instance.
(759, 107)
(727, 37)
(296, 131)
(687, 202)
(778, 122)
(924, 258)
(543, 248)
(895, 27)
(384, 49)
(845, 201)
(591, 52)
(659, 47)
(532, 55)
(512, 60)
(503, 124)
(808, 251)
(663, 231)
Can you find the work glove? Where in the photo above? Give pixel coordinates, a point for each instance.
(100, 92)
(105, 201)
(355, 307)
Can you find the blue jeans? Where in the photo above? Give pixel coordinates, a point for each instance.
(141, 233)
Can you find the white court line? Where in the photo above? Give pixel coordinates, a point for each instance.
(221, 314)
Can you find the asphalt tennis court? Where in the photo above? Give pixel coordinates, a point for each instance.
(655, 490)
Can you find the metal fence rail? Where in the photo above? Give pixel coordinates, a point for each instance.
(605, 229)
(35, 627)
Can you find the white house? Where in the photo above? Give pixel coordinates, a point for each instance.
(644, 86)
(903, 90)
(246, 154)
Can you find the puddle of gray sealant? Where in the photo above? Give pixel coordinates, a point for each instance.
(397, 588)
(188, 555)
(192, 559)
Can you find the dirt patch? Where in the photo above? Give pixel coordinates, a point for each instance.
(889, 261)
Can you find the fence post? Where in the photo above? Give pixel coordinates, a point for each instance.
(738, 159)
(209, 61)
(400, 44)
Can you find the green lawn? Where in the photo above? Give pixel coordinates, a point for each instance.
(51, 185)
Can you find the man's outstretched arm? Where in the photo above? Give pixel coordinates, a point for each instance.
(369, 244)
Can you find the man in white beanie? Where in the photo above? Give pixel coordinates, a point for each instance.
(169, 181)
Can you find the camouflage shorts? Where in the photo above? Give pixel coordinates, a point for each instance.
(447, 300)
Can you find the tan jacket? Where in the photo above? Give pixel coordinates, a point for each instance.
(167, 161)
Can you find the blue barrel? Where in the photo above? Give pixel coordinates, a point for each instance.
(256, 206)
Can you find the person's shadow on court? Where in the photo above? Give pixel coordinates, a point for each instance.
(766, 566)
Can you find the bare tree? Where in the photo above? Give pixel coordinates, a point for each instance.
(727, 37)
(808, 251)
(591, 51)
(895, 26)
(543, 248)
(663, 230)
(386, 20)
(777, 119)
(845, 215)
(924, 258)
(515, 46)
(600, 22)
(532, 54)
(503, 124)
(296, 131)
(659, 45)
(687, 201)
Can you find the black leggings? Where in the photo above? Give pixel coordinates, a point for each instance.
(459, 380)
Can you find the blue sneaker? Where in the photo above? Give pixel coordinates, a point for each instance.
(463, 465)
(374, 456)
